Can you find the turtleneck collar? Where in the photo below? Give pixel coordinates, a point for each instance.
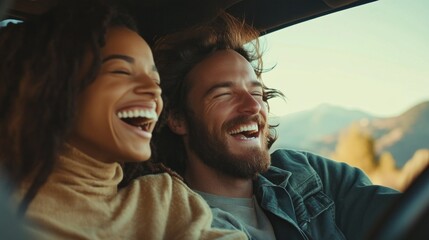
(85, 174)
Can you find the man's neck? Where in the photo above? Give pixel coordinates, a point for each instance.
(205, 179)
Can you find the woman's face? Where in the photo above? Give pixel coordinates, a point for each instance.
(118, 111)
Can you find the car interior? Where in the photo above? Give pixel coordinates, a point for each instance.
(407, 219)
(160, 17)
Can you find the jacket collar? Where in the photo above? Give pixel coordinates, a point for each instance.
(294, 171)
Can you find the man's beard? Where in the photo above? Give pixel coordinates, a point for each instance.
(213, 150)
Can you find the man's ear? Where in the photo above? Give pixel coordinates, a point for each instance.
(177, 124)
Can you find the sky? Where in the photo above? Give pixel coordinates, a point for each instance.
(373, 58)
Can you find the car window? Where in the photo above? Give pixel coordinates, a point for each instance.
(356, 85)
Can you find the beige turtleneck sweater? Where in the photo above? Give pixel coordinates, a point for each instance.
(80, 200)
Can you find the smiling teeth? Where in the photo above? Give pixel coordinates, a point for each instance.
(145, 113)
(252, 127)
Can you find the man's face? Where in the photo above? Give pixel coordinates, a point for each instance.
(226, 116)
(118, 111)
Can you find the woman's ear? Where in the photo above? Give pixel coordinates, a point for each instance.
(177, 124)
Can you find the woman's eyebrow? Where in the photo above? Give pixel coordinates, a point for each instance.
(119, 56)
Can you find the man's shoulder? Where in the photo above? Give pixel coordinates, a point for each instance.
(304, 166)
(290, 159)
(288, 154)
(295, 166)
(296, 159)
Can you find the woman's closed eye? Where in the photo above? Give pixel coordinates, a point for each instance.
(121, 71)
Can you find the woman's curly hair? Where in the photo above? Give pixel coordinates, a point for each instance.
(46, 62)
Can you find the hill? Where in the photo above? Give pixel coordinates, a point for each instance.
(318, 130)
(307, 129)
(403, 135)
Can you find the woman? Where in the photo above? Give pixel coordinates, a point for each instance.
(79, 99)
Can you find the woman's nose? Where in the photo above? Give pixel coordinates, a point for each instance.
(148, 86)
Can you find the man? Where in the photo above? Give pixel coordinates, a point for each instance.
(216, 135)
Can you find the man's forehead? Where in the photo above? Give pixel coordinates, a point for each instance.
(220, 58)
(221, 66)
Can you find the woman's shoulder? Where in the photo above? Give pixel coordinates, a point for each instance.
(167, 185)
(161, 181)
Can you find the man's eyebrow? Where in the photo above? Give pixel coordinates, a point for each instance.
(217, 86)
(254, 83)
(119, 56)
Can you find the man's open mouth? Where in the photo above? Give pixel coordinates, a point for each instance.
(247, 131)
(142, 119)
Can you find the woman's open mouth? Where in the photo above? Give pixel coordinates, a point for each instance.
(141, 118)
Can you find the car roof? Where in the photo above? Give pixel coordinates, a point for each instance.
(156, 18)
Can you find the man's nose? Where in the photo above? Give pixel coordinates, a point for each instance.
(249, 104)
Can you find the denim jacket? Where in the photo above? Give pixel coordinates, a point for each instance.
(306, 196)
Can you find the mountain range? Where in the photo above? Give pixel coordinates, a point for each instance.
(318, 130)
